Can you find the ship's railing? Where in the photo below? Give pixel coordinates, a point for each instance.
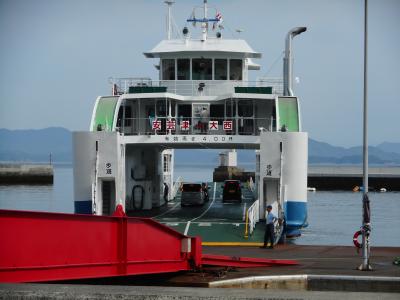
(253, 214)
(275, 82)
(194, 87)
(195, 125)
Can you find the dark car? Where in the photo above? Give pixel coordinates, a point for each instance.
(232, 191)
(192, 194)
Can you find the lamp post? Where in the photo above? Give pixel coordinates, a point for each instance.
(287, 60)
(366, 215)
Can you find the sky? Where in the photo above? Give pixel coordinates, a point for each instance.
(56, 57)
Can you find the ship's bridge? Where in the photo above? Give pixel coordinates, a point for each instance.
(203, 96)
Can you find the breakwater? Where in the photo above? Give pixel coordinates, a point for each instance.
(26, 174)
(349, 177)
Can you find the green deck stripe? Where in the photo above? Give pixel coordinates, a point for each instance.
(288, 114)
(105, 113)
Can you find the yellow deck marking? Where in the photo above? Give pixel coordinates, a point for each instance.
(249, 244)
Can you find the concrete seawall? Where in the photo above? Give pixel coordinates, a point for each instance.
(348, 177)
(26, 174)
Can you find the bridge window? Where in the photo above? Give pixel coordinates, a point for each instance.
(168, 69)
(183, 69)
(201, 69)
(184, 111)
(217, 112)
(235, 69)
(161, 108)
(127, 117)
(220, 69)
(245, 108)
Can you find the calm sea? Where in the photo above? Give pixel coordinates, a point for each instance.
(333, 216)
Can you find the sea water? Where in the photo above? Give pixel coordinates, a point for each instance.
(333, 216)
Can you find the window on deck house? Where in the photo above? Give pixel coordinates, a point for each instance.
(168, 69)
(127, 117)
(161, 109)
(235, 69)
(183, 69)
(220, 69)
(245, 108)
(202, 69)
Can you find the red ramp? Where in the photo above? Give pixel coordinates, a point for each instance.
(39, 246)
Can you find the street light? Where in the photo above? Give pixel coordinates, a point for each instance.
(366, 215)
(287, 60)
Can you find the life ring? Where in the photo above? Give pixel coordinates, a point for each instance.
(355, 239)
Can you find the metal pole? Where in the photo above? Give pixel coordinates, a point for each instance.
(366, 228)
(169, 3)
(287, 60)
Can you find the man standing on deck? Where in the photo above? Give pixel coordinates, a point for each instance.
(166, 190)
(269, 228)
(204, 120)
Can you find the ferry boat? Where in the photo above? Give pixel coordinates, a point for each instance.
(202, 98)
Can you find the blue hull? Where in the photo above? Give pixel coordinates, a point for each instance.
(296, 217)
(83, 207)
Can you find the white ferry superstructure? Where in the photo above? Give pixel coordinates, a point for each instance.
(128, 154)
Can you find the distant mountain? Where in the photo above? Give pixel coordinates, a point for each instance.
(319, 152)
(390, 147)
(36, 146)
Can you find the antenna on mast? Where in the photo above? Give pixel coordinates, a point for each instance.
(204, 25)
(205, 20)
(169, 27)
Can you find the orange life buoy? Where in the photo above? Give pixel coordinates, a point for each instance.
(355, 239)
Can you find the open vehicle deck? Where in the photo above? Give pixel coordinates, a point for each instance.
(216, 222)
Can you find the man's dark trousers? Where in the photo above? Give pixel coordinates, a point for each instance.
(269, 234)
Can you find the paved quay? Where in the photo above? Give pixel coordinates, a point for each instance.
(110, 292)
(324, 272)
(320, 268)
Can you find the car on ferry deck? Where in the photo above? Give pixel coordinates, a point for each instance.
(232, 191)
(192, 194)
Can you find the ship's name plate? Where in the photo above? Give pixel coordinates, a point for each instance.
(195, 139)
(199, 139)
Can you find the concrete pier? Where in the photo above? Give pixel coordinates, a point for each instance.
(348, 177)
(26, 174)
(321, 268)
(324, 272)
